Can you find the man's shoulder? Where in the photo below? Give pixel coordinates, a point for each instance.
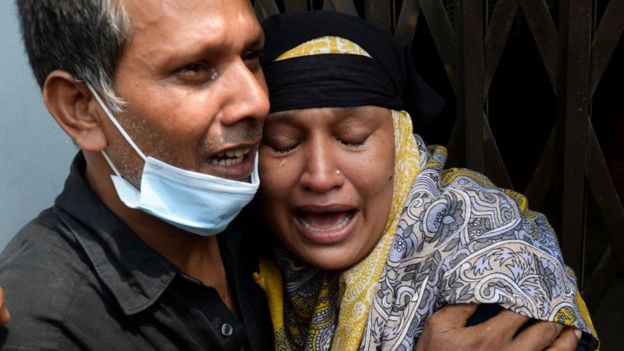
(42, 270)
(44, 239)
(42, 255)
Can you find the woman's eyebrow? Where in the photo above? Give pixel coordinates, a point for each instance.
(353, 115)
(281, 117)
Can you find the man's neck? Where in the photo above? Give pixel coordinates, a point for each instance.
(197, 256)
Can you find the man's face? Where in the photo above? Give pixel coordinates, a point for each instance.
(194, 90)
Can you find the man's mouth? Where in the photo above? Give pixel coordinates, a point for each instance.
(230, 158)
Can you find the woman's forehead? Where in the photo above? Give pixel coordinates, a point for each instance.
(331, 113)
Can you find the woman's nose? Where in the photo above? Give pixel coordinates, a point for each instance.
(321, 173)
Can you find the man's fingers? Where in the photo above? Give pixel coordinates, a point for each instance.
(567, 340)
(538, 336)
(506, 323)
(444, 330)
(5, 316)
(453, 316)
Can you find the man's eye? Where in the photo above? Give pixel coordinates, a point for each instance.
(197, 72)
(192, 69)
(252, 59)
(251, 55)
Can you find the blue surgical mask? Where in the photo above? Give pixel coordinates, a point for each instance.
(195, 202)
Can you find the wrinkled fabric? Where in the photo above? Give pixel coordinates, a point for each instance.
(385, 76)
(78, 278)
(459, 239)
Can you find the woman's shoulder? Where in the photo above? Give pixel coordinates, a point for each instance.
(461, 203)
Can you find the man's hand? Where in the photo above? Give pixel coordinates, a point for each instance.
(445, 330)
(5, 317)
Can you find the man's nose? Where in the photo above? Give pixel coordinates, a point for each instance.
(247, 95)
(321, 173)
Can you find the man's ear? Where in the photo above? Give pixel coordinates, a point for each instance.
(69, 102)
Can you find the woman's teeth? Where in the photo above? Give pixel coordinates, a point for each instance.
(230, 158)
(325, 222)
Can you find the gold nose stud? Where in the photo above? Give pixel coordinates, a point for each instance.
(338, 172)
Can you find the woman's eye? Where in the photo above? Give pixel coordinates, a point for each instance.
(352, 143)
(282, 149)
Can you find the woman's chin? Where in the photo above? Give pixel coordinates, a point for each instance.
(329, 258)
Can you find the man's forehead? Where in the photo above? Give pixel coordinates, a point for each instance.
(172, 24)
(146, 12)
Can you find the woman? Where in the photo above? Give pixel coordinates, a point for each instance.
(386, 235)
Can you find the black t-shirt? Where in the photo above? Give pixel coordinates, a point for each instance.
(77, 277)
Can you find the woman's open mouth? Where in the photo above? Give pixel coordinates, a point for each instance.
(325, 227)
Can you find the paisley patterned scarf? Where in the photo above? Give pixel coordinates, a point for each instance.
(461, 239)
(457, 239)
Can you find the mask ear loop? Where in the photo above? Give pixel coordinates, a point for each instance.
(116, 123)
(119, 128)
(110, 163)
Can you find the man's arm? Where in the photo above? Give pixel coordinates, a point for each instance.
(446, 330)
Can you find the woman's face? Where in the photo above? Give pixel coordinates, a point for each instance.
(327, 176)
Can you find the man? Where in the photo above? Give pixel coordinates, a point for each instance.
(105, 267)
(166, 101)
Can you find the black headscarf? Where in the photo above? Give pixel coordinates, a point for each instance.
(388, 80)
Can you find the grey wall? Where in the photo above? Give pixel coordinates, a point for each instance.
(34, 152)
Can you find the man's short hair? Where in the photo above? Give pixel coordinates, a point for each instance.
(82, 37)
